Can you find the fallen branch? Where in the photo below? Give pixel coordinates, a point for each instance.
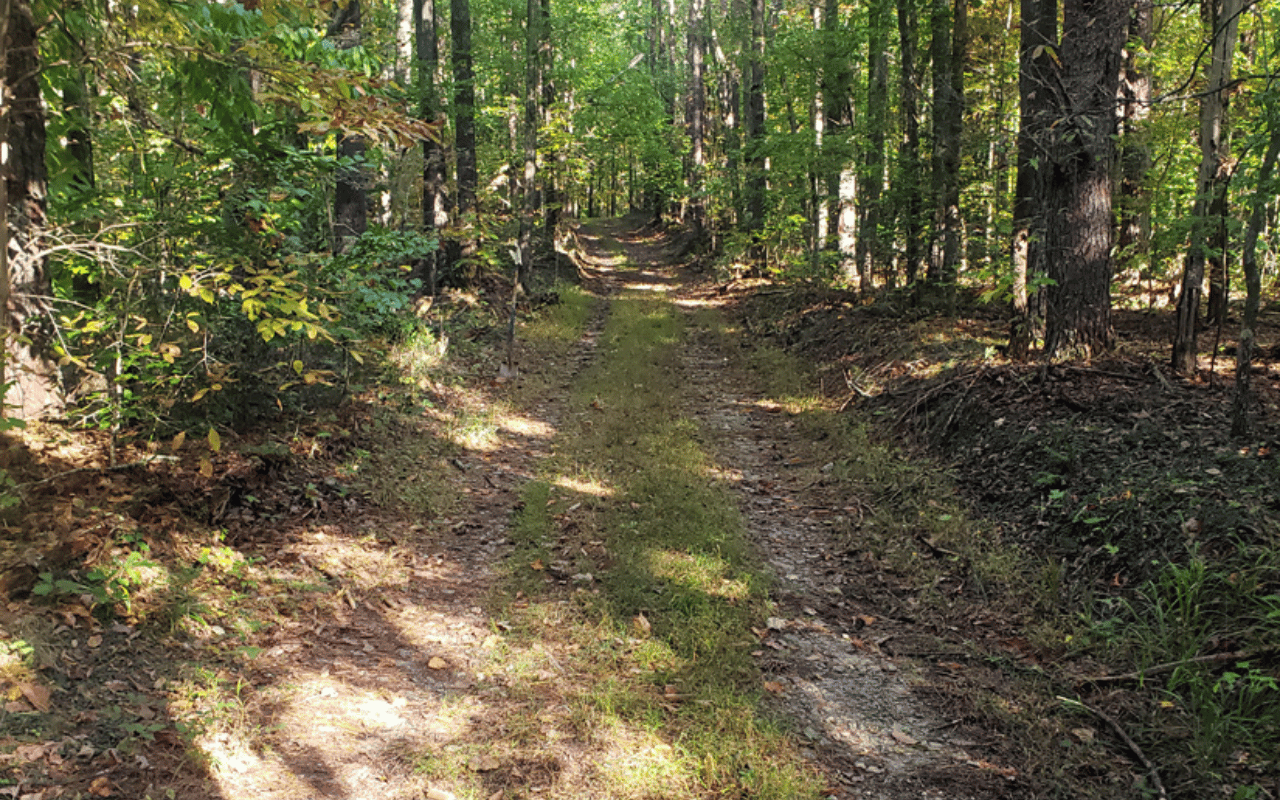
(1128, 740)
(1213, 658)
(117, 468)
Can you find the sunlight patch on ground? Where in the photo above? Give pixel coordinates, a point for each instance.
(359, 564)
(525, 426)
(648, 287)
(698, 571)
(690, 302)
(638, 763)
(589, 486)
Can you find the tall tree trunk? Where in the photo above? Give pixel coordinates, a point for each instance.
(755, 129)
(1077, 186)
(1222, 19)
(34, 389)
(730, 103)
(948, 49)
(435, 213)
(1134, 201)
(351, 193)
(532, 96)
(837, 108)
(695, 116)
(549, 199)
(464, 126)
(1038, 34)
(911, 168)
(1241, 422)
(870, 249)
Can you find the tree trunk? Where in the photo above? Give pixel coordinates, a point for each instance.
(695, 116)
(1076, 191)
(1038, 33)
(755, 130)
(911, 168)
(837, 108)
(532, 95)
(1241, 421)
(435, 214)
(870, 249)
(351, 194)
(948, 49)
(1222, 19)
(34, 389)
(464, 126)
(1134, 201)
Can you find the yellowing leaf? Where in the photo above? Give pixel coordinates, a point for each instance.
(215, 441)
(185, 283)
(206, 295)
(195, 398)
(206, 468)
(298, 366)
(179, 439)
(193, 325)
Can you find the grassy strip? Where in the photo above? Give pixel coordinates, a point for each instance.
(657, 638)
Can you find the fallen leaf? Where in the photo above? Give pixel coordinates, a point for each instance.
(867, 619)
(29, 752)
(773, 687)
(440, 794)
(951, 665)
(902, 738)
(641, 623)
(437, 662)
(537, 565)
(100, 786)
(483, 763)
(94, 641)
(36, 695)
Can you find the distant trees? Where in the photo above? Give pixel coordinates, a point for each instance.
(196, 149)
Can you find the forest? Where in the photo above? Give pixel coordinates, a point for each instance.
(296, 292)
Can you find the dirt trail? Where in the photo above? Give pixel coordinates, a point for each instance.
(391, 674)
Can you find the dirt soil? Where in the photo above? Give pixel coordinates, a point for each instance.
(380, 640)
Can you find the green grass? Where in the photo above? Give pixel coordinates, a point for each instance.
(659, 640)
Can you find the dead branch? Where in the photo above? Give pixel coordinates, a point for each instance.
(1128, 740)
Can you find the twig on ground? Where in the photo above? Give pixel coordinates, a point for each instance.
(1212, 658)
(1128, 740)
(115, 468)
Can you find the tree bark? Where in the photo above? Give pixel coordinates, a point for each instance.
(948, 53)
(870, 248)
(1222, 19)
(34, 389)
(1076, 192)
(1134, 201)
(435, 213)
(755, 131)
(1038, 33)
(1241, 407)
(837, 108)
(532, 96)
(695, 117)
(911, 168)
(351, 192)
(464, 126)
